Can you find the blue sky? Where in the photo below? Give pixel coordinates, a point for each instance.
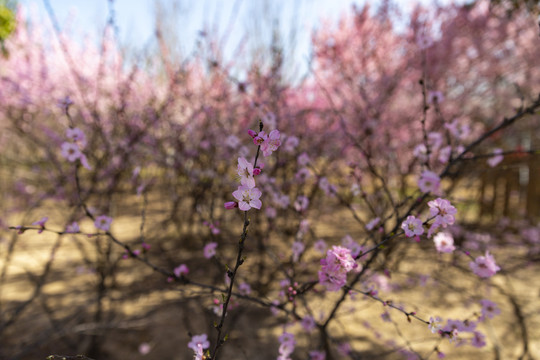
(135, 19)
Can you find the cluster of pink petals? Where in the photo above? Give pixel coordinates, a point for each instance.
(210, 250)
(247, 195)
(180, 270)
(335, 267)
(429, 182)
(412, 226)
(245, 171)
(484, 266)
(444, 242)
(287, 345)
(198, 343)
(489, 309)
(444, 214)
(72, 150)
(268, 142)
(103, 222)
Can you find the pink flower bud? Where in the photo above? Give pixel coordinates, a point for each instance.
(230, 205)
(252, 133)
(256, 171)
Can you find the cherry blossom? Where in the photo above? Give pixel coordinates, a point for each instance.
(70, 151)
(199, 341)
(248, 197)
(210, 250)
(444, 242)
(489, 309)
(484, 266)
(103, 222)
(180, 270)
(443, 211)
(245, 171)
(412, 226)
(429, 182)
(271, 143)
(335, 266)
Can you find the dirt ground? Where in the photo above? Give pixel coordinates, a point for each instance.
(141, 309)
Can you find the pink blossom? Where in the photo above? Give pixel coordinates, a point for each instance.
(230, 205)
(260, 138)
(443, 211)
(232, 141)
(412, 226)
(320, 246)
(489, 309)
(297, 250)
(420, 152)
(270, 212)
(348, 242)
(452, 324)
(144, 348)
(77, 136)
(317, 355)
(478, 340)
(291, 143)
(435, 97)
(245, 171)
(435, 140)
(244, 288)
(199, 354)
(484, 266)
(385, 316)
(344, 349)
(287, 344)
(41, 223)
(370, 225)
(308, 323)
(429, 182)
(70, 151)
(271, 143)
(301, 203)
(302, 174)
(335, 266)
(444, 154)
(434, 324)
(72, 228)
(325, 186)
(199, 340)
(180, 270)
(303, 159)
(444, 242)
(103, 222)
(84, 162)
(210, 250)
(496, 159)
(248, 198)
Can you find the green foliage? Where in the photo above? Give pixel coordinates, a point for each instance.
(7, 21)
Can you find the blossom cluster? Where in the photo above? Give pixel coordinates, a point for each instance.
(247, 194)
(335, 267)
(72, 149)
